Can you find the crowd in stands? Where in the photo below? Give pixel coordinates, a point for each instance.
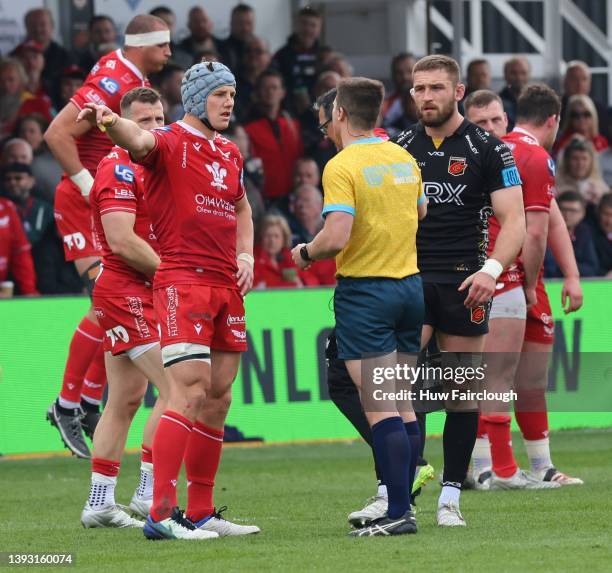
(277, 132)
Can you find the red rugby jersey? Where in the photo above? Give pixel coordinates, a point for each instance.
(192, 185)
(109, 80)
(118, 186)
(537, 170)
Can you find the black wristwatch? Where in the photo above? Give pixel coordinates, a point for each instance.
(304, 254)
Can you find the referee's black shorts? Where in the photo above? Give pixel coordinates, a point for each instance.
(445, 311)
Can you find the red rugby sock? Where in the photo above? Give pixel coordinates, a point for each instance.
(202, 462)
(498, 430)
(95, 378)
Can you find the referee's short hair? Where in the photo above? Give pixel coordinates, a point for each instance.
(326, 102)
(536, 104)
(361, 99)
(481, 98)
(439, 62)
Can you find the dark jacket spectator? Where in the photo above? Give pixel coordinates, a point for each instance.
(102, 40)
(401, 75)
(573, 209)
(256, 60)
(517, 72)
(297, 60)
(602, 235)
(242, 27)
(275, 136)
(178, 57)
(201, 38)
(15, 251)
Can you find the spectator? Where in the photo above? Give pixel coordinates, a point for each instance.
(306, 209)
(408, 117)
(16, 150)
(274, 266)
(275, 136)
(578, 81)
(306, 173)
(15, 251)
(256, 60)
(39, 27)
(578, 171)
(169, 83)
(102, 40)
(602, 235)
(15, 100)
(517, 72)
(401, 75)
(201, 38)
(478, 76)
(31, 56)
(580, 118)
(253, 174)
(339, 64)
(297, 59)
(36, 215)
(242, 29)
(573, 209)
(72, 79)
(45, 169)
(178, 57)
(326, 81)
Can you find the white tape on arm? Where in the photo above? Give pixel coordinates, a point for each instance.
(84, 181)
(493, 268)
(246, 258)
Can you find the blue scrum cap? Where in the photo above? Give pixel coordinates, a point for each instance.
(199, 81)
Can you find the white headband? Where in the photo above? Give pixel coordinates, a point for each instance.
(147, 39)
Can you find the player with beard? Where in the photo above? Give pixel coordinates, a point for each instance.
(202, 220)
(467, 177)
(516, 329)
(78, 149)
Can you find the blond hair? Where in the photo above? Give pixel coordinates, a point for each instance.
(276, 221)
(586, 102)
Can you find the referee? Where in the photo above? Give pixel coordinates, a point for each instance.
(468, 175)
(373, 201)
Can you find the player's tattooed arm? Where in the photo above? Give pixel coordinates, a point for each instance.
(244, 245)
(124, 132)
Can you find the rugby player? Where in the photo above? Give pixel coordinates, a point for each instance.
(514, 327)
(373, 201)
(79, 149)
(467, 176)
(123, 304)
(202, 220)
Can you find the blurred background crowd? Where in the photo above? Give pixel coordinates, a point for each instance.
(278, 133)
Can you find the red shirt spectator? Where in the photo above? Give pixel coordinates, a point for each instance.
(275, 137)
(15, 250)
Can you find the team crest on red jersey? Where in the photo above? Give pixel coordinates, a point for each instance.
(457, 165)
(477, 315)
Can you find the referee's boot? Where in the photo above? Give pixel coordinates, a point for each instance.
(385, 526)
(68, 423)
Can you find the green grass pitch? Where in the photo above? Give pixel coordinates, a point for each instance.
(300, 496)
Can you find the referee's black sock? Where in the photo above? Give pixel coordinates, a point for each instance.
(347, 401)
(458, 442)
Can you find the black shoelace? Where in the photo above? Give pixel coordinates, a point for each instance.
(179, 517)
(217, 512)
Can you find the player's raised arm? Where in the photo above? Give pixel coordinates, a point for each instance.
(124, 132)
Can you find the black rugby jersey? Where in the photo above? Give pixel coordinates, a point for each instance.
(458, 179)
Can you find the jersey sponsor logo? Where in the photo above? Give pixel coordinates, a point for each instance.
(507, 158)
(163, 128)
(75, 240)
(472, 148)
(117, 333)
(94, 97)
(444, 192)
(235, 320)
(478, 314)
(218, 173)
(173, 302)
(4, 222)
(124, 173)
(501, 146)
(511, 176)
(457, 166)
(551, 166)
(197, 146)
(124, 194)
(113, 155)
(225, 154)
(184, 158)
(111, 64)
(109, 85)
(198, 328)
(239, 334)
(436, 153)
(98, 312)
(95, 69)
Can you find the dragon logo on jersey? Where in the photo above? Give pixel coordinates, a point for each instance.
(457, 166)
(218, 173)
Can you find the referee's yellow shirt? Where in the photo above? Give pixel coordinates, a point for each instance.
(379, 183)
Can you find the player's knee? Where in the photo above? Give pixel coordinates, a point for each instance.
(219, 402)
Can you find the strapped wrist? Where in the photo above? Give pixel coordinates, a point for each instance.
(493, 268)
(247, 258)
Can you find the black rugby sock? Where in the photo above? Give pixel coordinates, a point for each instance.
(458, 442)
